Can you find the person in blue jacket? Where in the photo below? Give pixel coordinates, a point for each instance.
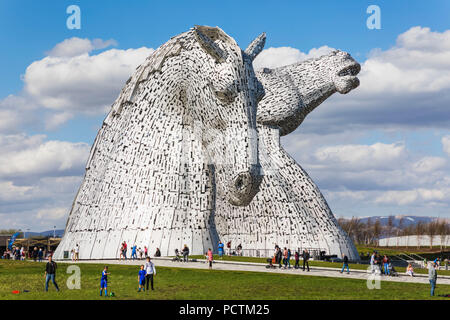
(104, 281)
(220, 248)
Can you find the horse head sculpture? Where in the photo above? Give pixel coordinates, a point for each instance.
(181, 134)
(293, 91)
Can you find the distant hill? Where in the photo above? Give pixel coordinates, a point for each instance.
(58, 233)
(407, 220)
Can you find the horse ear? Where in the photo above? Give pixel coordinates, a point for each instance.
(209, 46)
(256, 46)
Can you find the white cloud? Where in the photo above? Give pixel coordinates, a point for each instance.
(277, 57)
(23, 156)
(55, 120)
(446, 144)
(76, 46)
(83, 83)
(10, 192)
(52, 213)
(411, 196)
(68, 82)
(16, 112)
(378, 155)
(429, 164)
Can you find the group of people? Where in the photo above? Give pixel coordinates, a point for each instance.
(184, 252)
(146, 275)
(283, 257)
(136, 252)
(37, 254)
(75, 253)
(382, 265)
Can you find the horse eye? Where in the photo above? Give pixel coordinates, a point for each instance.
(225, 96)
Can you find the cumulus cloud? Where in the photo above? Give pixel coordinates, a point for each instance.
(446, 144)
(281, 56)
(410, 196)
(52, 213)
(15, 113)
(378, 155)
(82, 83)
(76, 46)
(24, 156)
(69, 81)
(38, 179)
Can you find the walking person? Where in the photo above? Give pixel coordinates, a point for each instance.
(289, 258)
(386, 265)
(104, 281)
(141, 278)
(40, 255)
(229, 247)
(145, 251)
(50, 273)
(210, 258)
(305, 256)
(345, 264)
(185, 252)
(297, 258)
(150, 272)
(432, 276)
(285, 254)
(133, 252)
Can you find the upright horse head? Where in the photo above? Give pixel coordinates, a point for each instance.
(181, 135)
(221, 93)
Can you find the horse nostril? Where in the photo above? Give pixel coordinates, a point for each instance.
(239, 183)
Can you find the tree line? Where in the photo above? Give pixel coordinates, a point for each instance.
(369, 232)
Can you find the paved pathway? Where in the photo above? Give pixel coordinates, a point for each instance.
(259, 267)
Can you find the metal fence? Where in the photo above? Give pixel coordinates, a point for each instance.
(268, 253)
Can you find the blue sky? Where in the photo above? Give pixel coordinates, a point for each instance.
(29, 30)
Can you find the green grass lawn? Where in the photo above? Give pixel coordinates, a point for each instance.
(398, 250)
(316, 263)
(180, 283)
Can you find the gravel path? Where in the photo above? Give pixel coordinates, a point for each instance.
(259, 267)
